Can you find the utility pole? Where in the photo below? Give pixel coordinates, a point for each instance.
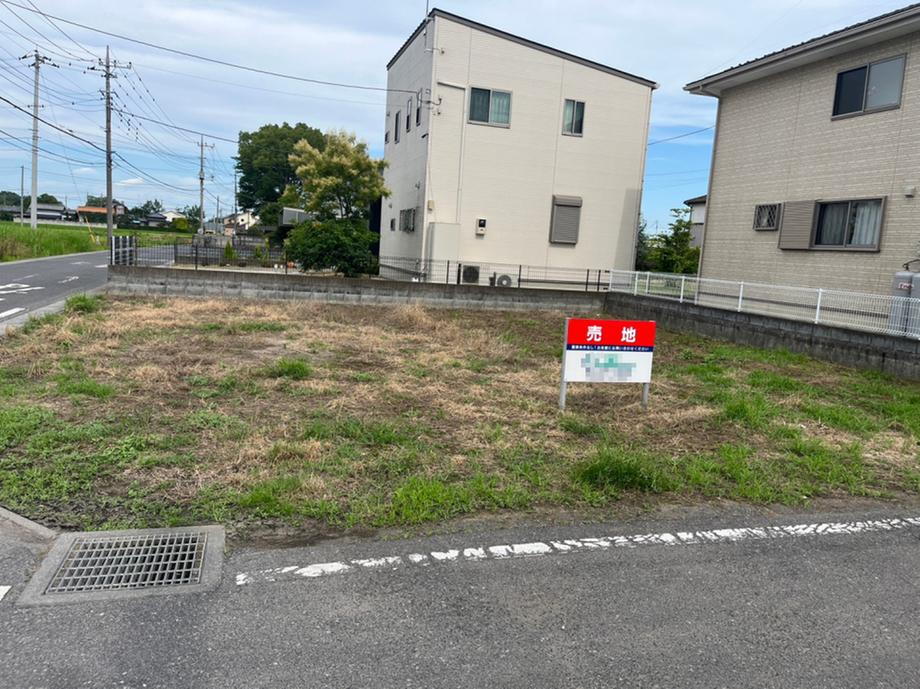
(22, 192)
(109, 210)
(33, 210)
(203, 146)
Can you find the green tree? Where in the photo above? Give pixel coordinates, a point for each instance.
(46, 198)
(98, 201)
(642, 246)
(193, 214)
(342, 245)
(341, 180)
(671, 252)
(263, 161)
(9, 198)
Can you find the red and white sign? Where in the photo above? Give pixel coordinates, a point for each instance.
(607, 351)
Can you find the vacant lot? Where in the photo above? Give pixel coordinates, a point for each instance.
(20, 241)
(164, 412)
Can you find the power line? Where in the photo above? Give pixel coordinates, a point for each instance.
(183, 129)
(679, 136)
(260, 88)
(64, 33)
(212, 60)
(51, 124)
(65, 53)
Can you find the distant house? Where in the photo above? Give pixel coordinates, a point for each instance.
(97, 214)
(156, 220)
(815, 161)
(46, 211)
(697, 207)
(242, 221)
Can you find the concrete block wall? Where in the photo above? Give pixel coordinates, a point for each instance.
(898, 356)
(238, 284)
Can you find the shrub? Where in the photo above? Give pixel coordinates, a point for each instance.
(340, 245)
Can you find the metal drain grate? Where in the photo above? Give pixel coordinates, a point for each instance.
(111, 563)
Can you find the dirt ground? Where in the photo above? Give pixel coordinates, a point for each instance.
(298, 416)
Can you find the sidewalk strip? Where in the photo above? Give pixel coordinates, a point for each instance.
(571, 545)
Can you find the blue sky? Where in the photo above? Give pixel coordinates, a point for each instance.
(670, 41)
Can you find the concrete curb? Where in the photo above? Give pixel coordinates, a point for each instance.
(54, 307)
(51, 258)
(34, 528)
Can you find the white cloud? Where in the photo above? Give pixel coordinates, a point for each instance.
(133, 181)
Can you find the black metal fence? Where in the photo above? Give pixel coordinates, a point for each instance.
(199, 252)
(490, 274)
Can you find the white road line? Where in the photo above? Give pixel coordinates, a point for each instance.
(4, 590)
(17, 288)
(79, 263)
(69, 279)
(571, 545)
(11, 312)
(104, 265)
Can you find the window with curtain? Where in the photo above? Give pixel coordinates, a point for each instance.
(490, 107)
(849, 224)
(573, 117)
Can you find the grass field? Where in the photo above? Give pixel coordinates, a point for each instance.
(166, 412)
(20, 241)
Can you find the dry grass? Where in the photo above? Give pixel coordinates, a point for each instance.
(407, 414)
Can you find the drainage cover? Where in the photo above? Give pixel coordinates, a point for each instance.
(118, 564)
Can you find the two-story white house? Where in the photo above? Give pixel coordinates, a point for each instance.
(503, 150)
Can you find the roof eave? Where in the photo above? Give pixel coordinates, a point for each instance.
(817, 49)
(522, 41)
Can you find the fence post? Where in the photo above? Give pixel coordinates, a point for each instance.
(285, 259)
(610, 284)
(683, 281)
(647, 280)
(636, 283)
(598, 279)
(587, 279)
(520, 267)
(196, 257)
(459, 269)
(740, 295)
(818, 307)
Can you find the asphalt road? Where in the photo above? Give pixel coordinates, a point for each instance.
(821, 609)
(29, 285)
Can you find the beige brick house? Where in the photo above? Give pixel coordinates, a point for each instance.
(501, 149)
(816, 161)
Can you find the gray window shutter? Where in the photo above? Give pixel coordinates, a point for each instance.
(797, 225)
(566, 217)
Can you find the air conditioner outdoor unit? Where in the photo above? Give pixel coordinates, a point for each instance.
(504, 281)
(470, 274)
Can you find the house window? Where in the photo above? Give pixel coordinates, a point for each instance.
(408, 118)
(407, 220)
(565, 220)
(392, 224)
(418, 115)
(573, 117)
(849, 224)
(396, 128)
(876, 86)
(766, 216)
(490, 107)
(386, 136)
